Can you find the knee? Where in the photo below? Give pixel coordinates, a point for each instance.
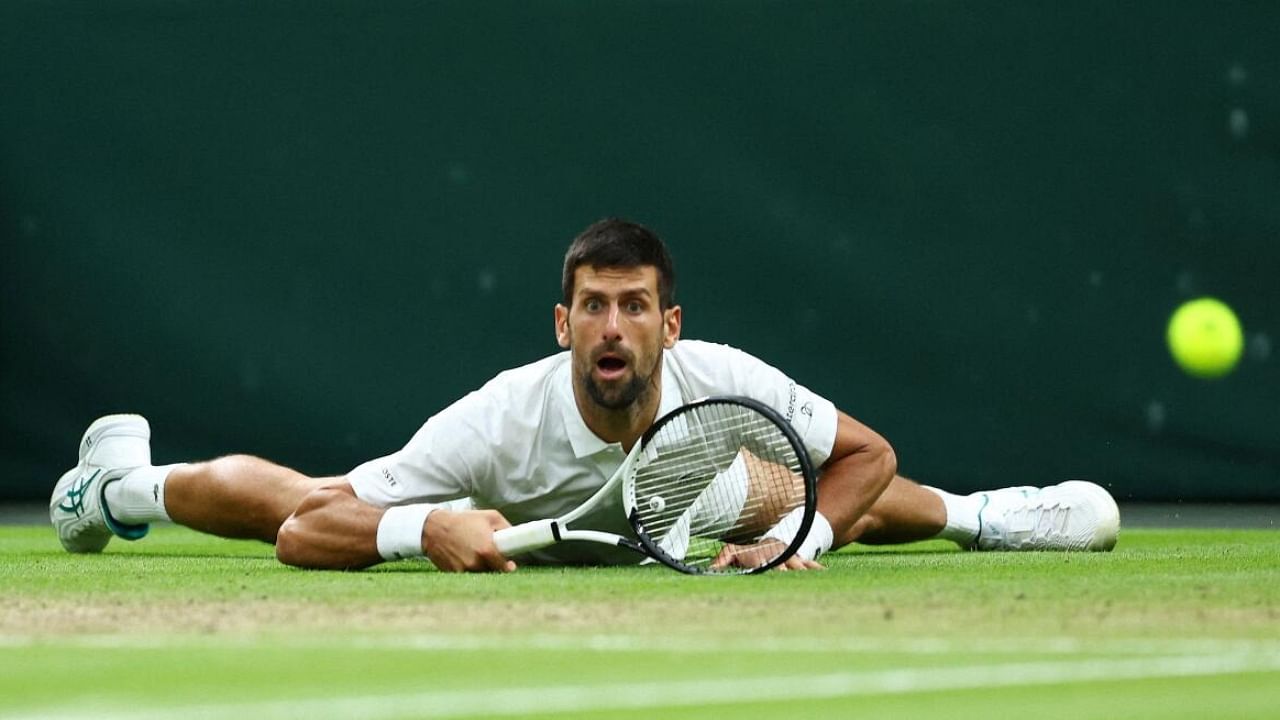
(229, 468)
(259, 494)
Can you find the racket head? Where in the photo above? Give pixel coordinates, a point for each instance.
(712, 478)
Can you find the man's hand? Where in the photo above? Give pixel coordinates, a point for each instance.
(795, 562)
(756, 554)
(463, 541)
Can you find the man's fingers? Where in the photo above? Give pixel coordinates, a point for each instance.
(463, 542)
(795, 562)
(495, 519)
(725, 557)
(497, 563)
(749, 556)
(743, 556)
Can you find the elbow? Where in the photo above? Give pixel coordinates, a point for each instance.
(299, 546)
(888, 462)
(302, 540)
(291, 546)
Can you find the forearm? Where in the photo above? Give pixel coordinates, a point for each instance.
(850, 485)
(331, 529)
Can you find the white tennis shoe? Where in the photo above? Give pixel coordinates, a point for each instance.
(112, 446)
(1074, 515)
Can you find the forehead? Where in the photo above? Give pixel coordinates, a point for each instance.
(615, 280)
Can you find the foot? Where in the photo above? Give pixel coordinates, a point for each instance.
(1074, 515)
(111, 447)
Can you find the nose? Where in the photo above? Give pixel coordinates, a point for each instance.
(612, 331)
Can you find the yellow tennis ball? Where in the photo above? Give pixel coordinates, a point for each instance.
(1205, 338)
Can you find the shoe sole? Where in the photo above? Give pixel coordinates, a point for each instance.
(117, 425)
(83, 543)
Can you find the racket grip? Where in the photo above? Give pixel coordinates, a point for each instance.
(525, 537)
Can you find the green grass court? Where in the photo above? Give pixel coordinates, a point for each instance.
(1173, 624)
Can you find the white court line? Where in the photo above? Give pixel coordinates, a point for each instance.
(684, 644)
(519, 701)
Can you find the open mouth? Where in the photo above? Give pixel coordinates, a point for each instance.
(611, 366)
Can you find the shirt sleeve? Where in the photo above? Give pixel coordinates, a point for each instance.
(443, 461)
(723, 370)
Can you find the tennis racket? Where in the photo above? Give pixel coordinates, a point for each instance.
(720, 486)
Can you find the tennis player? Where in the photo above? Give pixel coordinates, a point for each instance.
(534, 442)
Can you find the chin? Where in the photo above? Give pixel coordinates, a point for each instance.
(619, 396)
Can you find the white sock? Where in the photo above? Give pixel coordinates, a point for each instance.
(962, 516)
(138, 497)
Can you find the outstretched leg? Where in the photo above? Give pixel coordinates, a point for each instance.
(1074, 515)
(114, 491)
(237, 496)
(905, 512)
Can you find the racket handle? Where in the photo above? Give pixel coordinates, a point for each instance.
(525, 537)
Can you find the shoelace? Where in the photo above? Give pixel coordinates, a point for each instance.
(1039, 521)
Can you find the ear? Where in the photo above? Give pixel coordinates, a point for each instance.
(671, 326)
(562, 326)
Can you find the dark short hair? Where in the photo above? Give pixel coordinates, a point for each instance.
(616, 243)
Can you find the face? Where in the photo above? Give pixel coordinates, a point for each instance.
(616, 331)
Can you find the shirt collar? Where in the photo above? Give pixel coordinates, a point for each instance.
(581, 438)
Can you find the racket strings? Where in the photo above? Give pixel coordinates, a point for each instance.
(718, 474)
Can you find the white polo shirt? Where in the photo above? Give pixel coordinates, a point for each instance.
(518, 444)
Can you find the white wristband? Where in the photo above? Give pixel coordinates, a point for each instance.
(818, 540)
(400, 531)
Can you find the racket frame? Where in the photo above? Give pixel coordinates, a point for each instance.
(655, 551)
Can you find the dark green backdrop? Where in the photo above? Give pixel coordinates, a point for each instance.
(298, 229)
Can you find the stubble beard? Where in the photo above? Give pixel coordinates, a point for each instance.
(618, 398)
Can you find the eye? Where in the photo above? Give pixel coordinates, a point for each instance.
(592, 305)
(635, 307)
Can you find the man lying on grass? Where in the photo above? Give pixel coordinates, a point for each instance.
(536, 441)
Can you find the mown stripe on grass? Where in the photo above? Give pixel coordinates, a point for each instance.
(523, 701)
(682, 644)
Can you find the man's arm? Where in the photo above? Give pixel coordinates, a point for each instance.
(333, 529)
(860, 467)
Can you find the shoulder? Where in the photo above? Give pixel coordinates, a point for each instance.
(705, 368)
(535, 372)
(516, 393)
(710, 356)
(708, 368)
(520, 387)
(701, 350)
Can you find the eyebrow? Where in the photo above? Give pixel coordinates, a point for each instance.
(588, 291)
